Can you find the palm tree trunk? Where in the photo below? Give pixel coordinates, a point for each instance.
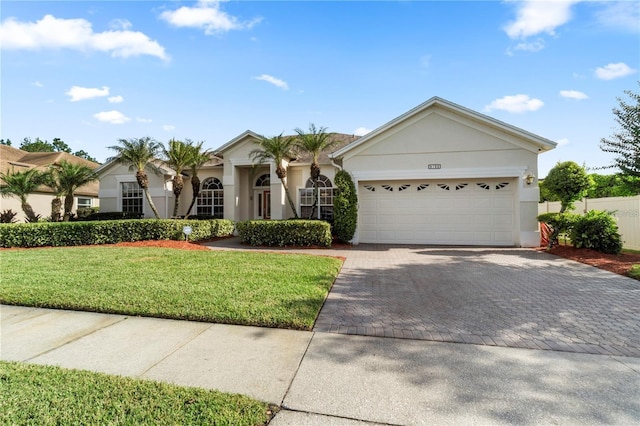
(177, 190)
(28, 211)
(150, 201)
(143, 181)
(68, 205)
(195, 187)
(291, 203)
(56, 206)
(315, 174)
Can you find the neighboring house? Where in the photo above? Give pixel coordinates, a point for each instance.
(438, 174)
(15, 159)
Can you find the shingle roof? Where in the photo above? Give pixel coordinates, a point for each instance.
(16, 159)
(340, 141)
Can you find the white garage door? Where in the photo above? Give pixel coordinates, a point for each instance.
(448, 212)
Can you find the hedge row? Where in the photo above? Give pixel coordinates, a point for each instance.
(108, 232)
(283, 233)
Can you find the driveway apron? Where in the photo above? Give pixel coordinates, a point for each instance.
(498, 297)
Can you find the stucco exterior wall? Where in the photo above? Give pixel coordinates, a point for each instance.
(41, 204)
(437, 138)
(159, 188)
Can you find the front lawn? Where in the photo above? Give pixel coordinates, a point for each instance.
(41, 395)
(248, 288)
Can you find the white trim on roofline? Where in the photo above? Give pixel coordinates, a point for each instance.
(543, 143)
(236, 140)
(487, 172)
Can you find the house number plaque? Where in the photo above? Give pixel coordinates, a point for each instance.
(434, 166)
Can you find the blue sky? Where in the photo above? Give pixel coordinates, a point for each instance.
(91, 73)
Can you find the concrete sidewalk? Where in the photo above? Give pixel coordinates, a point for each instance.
(333, 379)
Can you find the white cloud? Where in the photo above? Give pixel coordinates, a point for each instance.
(611, 71)
(275, 81)
(620, 15)
(534, 46)
(77, 93)
(515, 104)
(37, 84)
(53, 33)
(573, 94)
(120, 24)
(115, 99)
(361, 131)
(143, 120)
(206, 15)
(168, 128)
(113, 117)
(563, 142)
(535, 17)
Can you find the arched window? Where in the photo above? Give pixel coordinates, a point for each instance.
(264, 180)
(323, 182)
(211, 198)
(324, 202)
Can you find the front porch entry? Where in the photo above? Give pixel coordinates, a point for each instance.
(262, 199)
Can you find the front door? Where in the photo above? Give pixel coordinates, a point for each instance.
(263, 204)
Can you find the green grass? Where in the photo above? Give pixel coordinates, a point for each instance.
(630, 251)
(41, 395)
(634, 272)
(248, 288)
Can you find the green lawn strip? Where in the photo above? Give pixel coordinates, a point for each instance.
(634, 272)
(248, 288)
(43, 395)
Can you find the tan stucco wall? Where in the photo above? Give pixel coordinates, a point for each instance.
(462, 148)
(187, 192)
(41, 204)
(109, 192)
(437, 138)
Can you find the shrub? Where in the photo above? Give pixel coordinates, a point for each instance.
(111, 216)
(108, 232)
(560, 223)
(8, 216)
(345, 207)
(283, 233)
(84, 212)
(597, 230)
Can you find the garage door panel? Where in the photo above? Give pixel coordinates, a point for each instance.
(469, 212)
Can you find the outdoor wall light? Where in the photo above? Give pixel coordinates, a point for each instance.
(528, 178)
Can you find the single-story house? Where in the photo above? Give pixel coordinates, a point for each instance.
(438, 174)
(14, 159)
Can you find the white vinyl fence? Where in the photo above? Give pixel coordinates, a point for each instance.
(625, 209)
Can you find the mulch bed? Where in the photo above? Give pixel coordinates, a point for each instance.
(617, 263)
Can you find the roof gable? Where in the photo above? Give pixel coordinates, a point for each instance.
(453, 112)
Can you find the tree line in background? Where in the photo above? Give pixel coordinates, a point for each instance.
(56, 145)
(568, 182)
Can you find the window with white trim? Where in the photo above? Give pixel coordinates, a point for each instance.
(83, 202)
(131, 194)
(211, 198)
(326, 192)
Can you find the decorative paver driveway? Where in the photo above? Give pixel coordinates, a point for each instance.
(500, 297)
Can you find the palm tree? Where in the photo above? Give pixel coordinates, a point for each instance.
(178, 157)
(56, 202)
(69, 177)
(138, 154)
(314, 142)
(276, 149)
(198, 158)
(20, 185)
